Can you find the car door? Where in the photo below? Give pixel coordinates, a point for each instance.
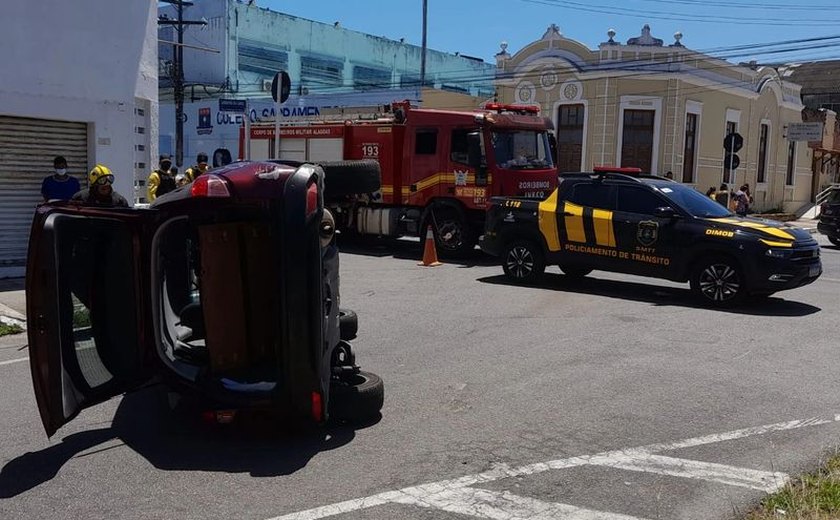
(586, 230)
(645, 241)
(87, 297)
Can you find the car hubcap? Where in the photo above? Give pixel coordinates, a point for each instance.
(520, 262)
(449, 234)
(719, 282)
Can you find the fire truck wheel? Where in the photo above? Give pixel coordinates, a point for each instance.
(356, 397)
(453, 236)
(523, 261)
(348, 324)
(343, 178)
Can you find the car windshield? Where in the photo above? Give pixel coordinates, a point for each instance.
(833, 197)
(521, 149)
(693, 201)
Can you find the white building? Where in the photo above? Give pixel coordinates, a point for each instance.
(80, 80)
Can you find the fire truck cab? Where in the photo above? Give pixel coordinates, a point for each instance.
(439, 167)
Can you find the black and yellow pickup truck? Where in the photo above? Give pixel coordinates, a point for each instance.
(650, 226)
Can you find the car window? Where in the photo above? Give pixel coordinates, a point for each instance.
(593, 195)
(693, 201)
(634, 199)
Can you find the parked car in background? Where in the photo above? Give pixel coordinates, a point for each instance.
(829, 224)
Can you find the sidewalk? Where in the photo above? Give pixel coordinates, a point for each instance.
(13, 301)
(809, 224)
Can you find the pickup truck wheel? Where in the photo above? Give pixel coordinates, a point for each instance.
(523, 261)
(348, 324)
(834, 240)
(719, 281)
(343, 178)
(573, 271)
(356, 397)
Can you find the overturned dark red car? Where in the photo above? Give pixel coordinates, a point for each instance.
(225, 291)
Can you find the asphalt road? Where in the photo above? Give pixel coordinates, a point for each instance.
(608, 397)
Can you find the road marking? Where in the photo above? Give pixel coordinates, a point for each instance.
(483, 503)
(766, 481)
(9, 362)
(503, 471)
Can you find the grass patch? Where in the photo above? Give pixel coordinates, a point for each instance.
(81, 318)
(814, 496)
(6, 329)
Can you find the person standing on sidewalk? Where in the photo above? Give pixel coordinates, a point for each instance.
(161, 181)
(60, 185)
(200, 167)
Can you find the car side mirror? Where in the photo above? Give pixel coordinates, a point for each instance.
(665, 212)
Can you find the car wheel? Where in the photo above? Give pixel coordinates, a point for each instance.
(453, 236)
(834, 240)
(356, 397)
(573, 271)
(523, 261)
(348, 324)
(343, 178)
(719, 281)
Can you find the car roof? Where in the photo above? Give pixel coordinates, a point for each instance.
(647, 179)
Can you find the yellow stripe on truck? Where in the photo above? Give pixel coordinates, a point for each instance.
(574, 222)
(547, 218)
(602, 220)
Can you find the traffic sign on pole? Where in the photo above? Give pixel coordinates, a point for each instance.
(733, 142)
(281, 87)
(232, 105)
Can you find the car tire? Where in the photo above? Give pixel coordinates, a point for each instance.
(348, 324)
(719, 281)
(834, 240)
(356, 397)
(523, 261)
(575, 271)
(343, 178)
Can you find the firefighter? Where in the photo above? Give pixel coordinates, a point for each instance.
(161, 181)
(200, 167)
(100, 190)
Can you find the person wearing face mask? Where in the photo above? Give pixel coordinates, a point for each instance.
(200, 167)
(100, 190)
(162, 180)
(60, 185)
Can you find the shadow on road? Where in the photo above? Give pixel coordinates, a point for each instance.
(381, 247)
(259, 444)
(658, 295)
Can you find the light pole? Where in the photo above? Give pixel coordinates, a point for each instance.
(423, 51)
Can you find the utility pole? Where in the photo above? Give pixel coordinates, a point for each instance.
(423, 51)
(178, 65)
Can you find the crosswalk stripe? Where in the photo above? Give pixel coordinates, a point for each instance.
(493, 505)
(766, 481)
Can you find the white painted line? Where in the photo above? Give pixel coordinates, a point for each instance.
(501, 471)
(9, 362)
(483, 503)
(694, 469)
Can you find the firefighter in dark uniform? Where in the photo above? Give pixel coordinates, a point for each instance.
(100, 190)
(161, 181)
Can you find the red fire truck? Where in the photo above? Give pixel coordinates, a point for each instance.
(439, 167)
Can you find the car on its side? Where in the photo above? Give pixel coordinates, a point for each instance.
(226, 290)
(624, 221)
(829, 224)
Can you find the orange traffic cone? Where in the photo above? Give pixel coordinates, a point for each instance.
(430, 258)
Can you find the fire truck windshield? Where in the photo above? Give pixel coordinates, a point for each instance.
(521, 149)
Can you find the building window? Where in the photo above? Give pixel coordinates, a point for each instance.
(140, 129)
(315, 72)
(637, 139)
(413, 81)
(762, 153)
(367, 78)
(731, 128)
(258, 58)
(425, 142)
(140, 112)
(690, 148)
(570, 137)
(791, 163)
(140, 147)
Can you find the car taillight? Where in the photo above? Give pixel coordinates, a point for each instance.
(317, 407)
(311, 199)
(209, 185)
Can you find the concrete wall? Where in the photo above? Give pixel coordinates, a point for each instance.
(96, 66)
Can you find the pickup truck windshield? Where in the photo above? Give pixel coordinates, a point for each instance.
(693, 201)
(521, 150)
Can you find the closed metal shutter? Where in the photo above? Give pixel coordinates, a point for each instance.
(27, 149)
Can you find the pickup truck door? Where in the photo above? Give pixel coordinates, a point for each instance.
(87, 297)
(585, 224)
(647, 240)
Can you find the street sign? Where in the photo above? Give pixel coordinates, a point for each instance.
(232, 105)
(731, 161)
(281, 87)
(733, 142)
(805, 131)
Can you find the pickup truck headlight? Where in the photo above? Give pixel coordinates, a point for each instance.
(778, 253)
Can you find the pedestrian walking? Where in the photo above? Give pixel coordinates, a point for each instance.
(162, 180)
(742, 201)
(100, 191)
(669, 175)
(60, 185)
(712, 193)
(722, 195)
(198, 168)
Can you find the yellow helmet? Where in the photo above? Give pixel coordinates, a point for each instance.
(98, 172)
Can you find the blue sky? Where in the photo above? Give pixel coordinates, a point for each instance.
(475, 27)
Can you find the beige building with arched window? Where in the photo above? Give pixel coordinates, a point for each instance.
(663, 108)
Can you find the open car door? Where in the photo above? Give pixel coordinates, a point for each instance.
(87, 295)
